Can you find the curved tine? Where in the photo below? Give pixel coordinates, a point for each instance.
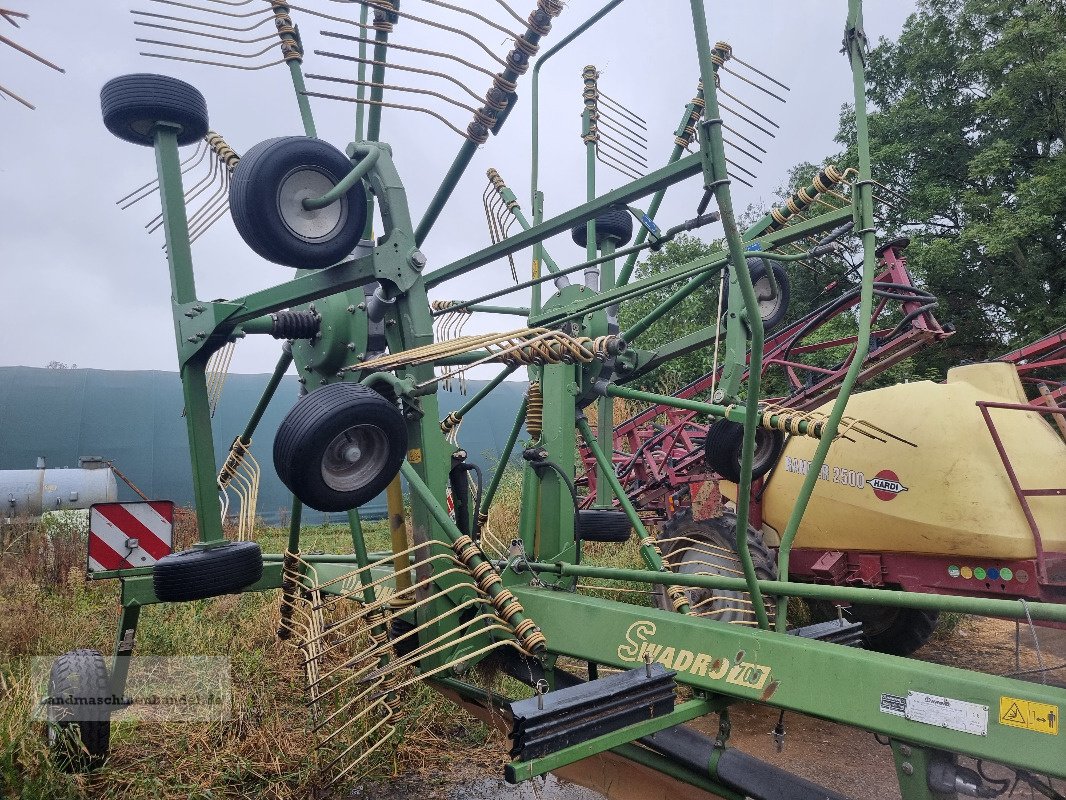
(261, 10)
(208, 206)
(191, 194)
(215, 25)
(403, 14)
(246, 67)
(745, 138)
(229, 53)
(512, 12)
(750, 108)
(738, 115)
(404, 47)
(222, 211)
(474, 14)
(185, 166)
(395, 88)
(404, 68)
(205, 34)
(383, 104)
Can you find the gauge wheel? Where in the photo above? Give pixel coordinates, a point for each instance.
(723, 444)
(340, 446)
(201, 572)
(773, 308)
(613, 225)
(78, 730)
(132, 106)
(603, 525)
(266, 197)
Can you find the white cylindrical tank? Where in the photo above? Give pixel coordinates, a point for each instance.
(31, 492)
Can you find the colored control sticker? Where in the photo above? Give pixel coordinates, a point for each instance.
(966, 572)
(1006, 574)
(1021, 576)
(979, 573)
(953, 571)
(993, 574)
(1029, 715)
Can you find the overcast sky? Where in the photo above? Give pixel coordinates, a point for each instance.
(84, 283)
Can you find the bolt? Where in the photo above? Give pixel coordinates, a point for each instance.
(351, 309)
(311, 307)
(323, 382)
(362, 306)
(191, 339)
(390, 323)
(351, 345)
(301, 380)
(340, 373)
(418, 260)
(647, 664)
(906, 768)
(904, 749)
(201, 335)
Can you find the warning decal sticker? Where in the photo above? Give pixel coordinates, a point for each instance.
(1039, 717)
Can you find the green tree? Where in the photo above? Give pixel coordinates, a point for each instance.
(969, 127)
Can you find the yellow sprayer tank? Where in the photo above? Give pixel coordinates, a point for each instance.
(949, 495)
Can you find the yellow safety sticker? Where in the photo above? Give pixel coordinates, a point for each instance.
(536, 268)
(1027, 714)
(414, 455)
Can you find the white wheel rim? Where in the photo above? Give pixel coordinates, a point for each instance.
(309, 225)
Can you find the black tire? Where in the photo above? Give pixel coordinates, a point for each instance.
(131, 106)
(603, 525)
(709, 547)
(723, 445)
(207, 572)
(308, 446)
(266, 194)
(614, 225)
(772, 308)
(79, 713)
(898, 631)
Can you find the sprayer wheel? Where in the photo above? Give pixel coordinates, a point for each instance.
(723, 445)
(78, 729)
(613, 225)
(266, 197)
(132, 105)
(772, 307)
(898, 631)
(709, 547)
(207, 572)
(603, 525)
(340, 446)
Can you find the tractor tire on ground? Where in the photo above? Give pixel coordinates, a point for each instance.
(79, 715)
(207, 572)
(613, 225)
(898, 631)
(772, 308)
(603, 525)
(723, 445)
(131, 106)
(266, 198)
(340, 446)
(709, 547)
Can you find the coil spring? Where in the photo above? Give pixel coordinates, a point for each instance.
(677, 596)
(226, 154)
(534, 410)
(802, 199)
(291, 47)
(687, 132)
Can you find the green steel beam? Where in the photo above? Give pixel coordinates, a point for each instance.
(844, 684)
(673, 173)
(855, 44)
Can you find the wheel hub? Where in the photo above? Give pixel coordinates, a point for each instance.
(354, 457)
(309, 225)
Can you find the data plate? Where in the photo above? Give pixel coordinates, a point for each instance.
(946, 712)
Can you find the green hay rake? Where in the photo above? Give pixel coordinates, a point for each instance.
(462, 598)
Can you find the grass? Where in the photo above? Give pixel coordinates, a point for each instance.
(263, 751)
